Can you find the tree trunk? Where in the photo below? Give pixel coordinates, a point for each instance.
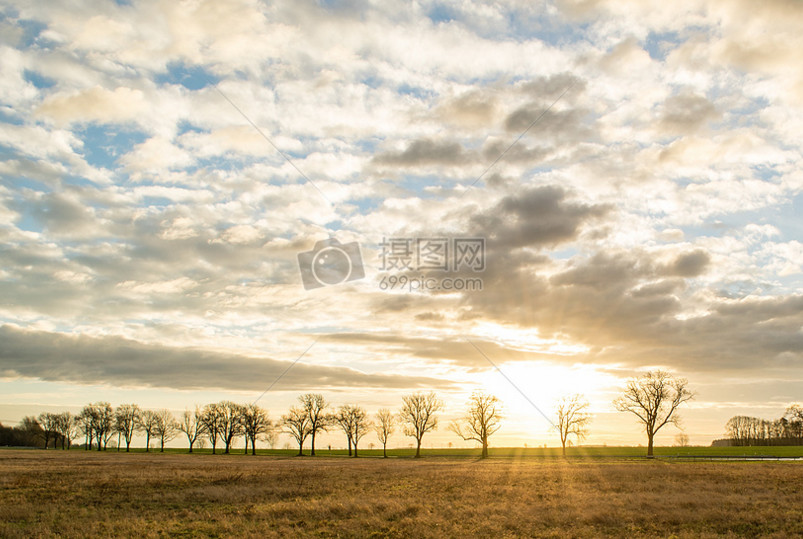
(162, 447)
(563, 448)
(191, 447)
(349, 446)
(246, 445)
(418, 448)
(485, 449)
(649, 444)
(385, 450)
(355, 450)
(147, 442)
(312, 445)
(254, 445)
(300, 449)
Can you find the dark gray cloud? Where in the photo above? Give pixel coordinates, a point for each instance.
(61, 214)
(122, 362)
(536, 217)
(622, 306)
(687, 112)
(426, 151)
(553, 86)
(689, 264)
(457, 350)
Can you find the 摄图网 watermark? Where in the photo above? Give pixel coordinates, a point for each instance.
(331, 262)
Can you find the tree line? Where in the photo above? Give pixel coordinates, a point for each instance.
(786, 430)
(652, 398)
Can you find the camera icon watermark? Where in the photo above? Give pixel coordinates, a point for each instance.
(329, 263)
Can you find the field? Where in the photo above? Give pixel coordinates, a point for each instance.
(81, 494)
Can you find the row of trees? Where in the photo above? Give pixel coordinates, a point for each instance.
(652, 398)
(787, 430)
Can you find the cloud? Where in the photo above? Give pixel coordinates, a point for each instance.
(689, 264)
(535, 217)
(426, 152)
(122, 362)
(95, 104)
(685, 113)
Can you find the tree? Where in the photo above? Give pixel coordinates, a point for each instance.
(166, 427)
(653, 398)
(192, 425)
(296, 423)
(482, 419)
(355, 423)
(67, 427)
(99, 422)
(418, 416)
(384, 425)
(794, 421)
(230, 422)
(572, 418)
(255, 422)
(84, 421)
(126, 419)
(271, 436)
(30, 431)
(49, 423)
(148, 421)
(344, 419)
(315, 406)
(682, 439)
(211, 421)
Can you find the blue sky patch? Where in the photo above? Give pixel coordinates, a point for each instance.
(190, 77)
(104, 144)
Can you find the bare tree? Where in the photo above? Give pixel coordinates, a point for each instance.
(354, 421)
(271, 436)
(344, 419)
(148, 423)
(794, 422)
(315, 406)
(362, 424)
(682, 439)
(653, 398)
(572, 418)
(230, 422)
(255, 422)
(67, 429)
(296, 423)
(49, 423)
(384, 425)
(418, 416)
(482, 419)
(84, 422)
(211, 422)
(192, 425)
(99, 421)
(126, 418)
(166, 427)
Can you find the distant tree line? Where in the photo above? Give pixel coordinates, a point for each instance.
(653, 398)
(99, 424)
(786, 430)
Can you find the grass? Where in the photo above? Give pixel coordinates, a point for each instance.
(80, 494)
(532, 452)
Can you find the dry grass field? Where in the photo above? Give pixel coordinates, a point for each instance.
(80, 494)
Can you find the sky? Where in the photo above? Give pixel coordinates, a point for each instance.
(530, 198)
